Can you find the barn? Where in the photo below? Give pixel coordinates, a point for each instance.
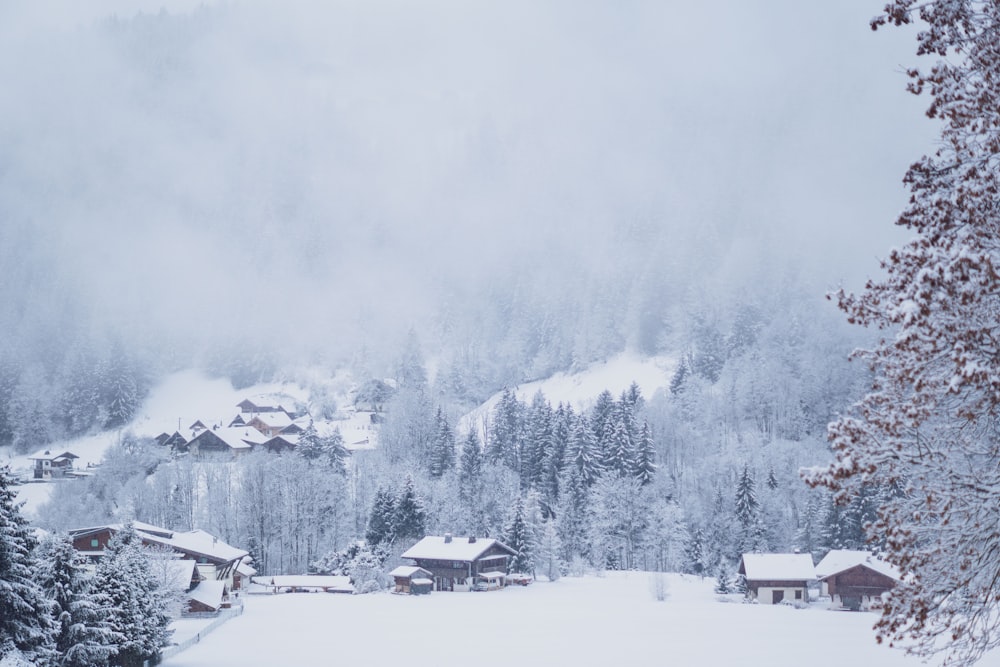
(855, 579)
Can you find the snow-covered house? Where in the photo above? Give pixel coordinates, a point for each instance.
(172, 440)
(773, 578)
(456, 563)
(214, 559)
(208, 597)
(281, 443)
(855, 579)
(235, 441)
(259, 406)
(271, 423)
(52, 465)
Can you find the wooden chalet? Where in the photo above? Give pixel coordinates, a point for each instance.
(233, 441)
(52, 465)
(270, 423)
(281, 443)
(457, 563)
(174, 441)
(250, 407)
(214, 559)
(855, 579)
(774, 578)
(411, 579)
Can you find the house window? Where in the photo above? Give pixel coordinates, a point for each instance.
(95, 543)
(798, 595)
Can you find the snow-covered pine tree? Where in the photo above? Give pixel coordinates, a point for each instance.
(518, 537)
(746, 512)
(25, 620)
(410, 517)
(583, 452)
(506, 431)
(310, 445)
(573, 522)
(555, 454)
(929, 423)
(537, 438)
(694, 552)
(334, 452)
(644, 461)
(382, 521)
(126, 588)
(82, 637)
(548, 560)
(442, 455)
(723, 585)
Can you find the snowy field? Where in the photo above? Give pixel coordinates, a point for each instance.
(610, 620)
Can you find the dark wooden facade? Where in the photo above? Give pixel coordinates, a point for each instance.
(447, 574)
(857, 584)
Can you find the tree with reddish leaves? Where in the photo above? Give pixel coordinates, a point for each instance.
(930, 426)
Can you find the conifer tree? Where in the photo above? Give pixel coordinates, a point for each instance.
(442, 456)
(506, 432)
(381, 522)
(573, 517)
(334, 453)
(518, 537)
(410, 516)
(694, 552)
(548, 559)
(25, 620)
(644, 466)
(310, 446)
(127, 589)
(82, 636)
(723, 585)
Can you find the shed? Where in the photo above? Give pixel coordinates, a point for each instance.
(773, 578)
(208, 597)
(404, 577)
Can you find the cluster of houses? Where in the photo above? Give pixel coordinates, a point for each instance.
(258, 424)
(202, 568)
(852, 579)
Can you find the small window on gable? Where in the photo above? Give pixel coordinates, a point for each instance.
(95, 543)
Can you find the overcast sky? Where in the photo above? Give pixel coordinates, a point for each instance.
(351, 157)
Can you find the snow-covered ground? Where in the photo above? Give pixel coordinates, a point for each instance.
(609, 620)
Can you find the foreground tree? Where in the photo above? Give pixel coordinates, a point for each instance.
(127, 589)
(25, 622)
(929, 426)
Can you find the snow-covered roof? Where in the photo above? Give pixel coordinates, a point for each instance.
(778, 567)
(407, 571)
(337, 582)
(455, 548)
(48, 455)
(273, 419)
(197, 542)
(236, 437)
(209, 593)
(839, 560)
(496, 574)
(181, 572)
(422, 581)
(246, 569)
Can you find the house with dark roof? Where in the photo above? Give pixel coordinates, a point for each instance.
(774, 578)
(855, 579)
(457, 563)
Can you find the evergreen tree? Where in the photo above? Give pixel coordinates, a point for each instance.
(583, 452)
(537, 438)
(518, 537)
(382, 521)
(442, 458)
(548, 558)
(470, 482)
(506, 432)
(125, 586)
(25, 620)
(746, 498)
(644, 466)
(723, 585)
(694, 553)
(573, 517)
(310, 445)
(82, 637)
(555, 454)
(334, 453)
(410, 517)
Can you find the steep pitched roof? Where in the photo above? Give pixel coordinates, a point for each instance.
(778, 567)
(455, 548)
(840, 560)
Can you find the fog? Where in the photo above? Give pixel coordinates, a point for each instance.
(327, 175)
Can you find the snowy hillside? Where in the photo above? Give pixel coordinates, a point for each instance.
(173, 405)
(581, 388)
